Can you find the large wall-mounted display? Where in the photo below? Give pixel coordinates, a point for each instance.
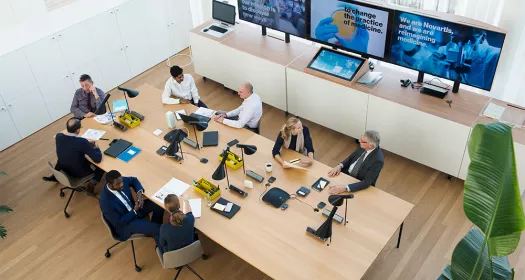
(446, 49)
(350, 25)
(288, 16)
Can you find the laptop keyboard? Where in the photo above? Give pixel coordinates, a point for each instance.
(218, 29)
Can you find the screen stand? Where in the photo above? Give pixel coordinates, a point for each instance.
(455, 87)
(263, 30)
(420, 76)
(287, 38)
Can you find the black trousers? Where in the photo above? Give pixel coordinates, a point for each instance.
(200, 104)
(99, 173)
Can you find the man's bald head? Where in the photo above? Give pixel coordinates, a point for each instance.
(245, 90)
(73, 125)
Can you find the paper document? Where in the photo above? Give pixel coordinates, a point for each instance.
(174, 186)
(180, 112)
(119, 106)
(105, 118)
(195, 205)
(294, 166)
(93, 134)
(494, 111)
(205, 112)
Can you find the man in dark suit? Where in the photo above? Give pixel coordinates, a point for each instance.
(364, 164)
(123, 213)
(71, 153)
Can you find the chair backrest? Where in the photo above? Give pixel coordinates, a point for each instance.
(61, 177)
(106, 223)
(183, 256)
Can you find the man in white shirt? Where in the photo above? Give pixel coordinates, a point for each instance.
(181, 89)
(248, 114)
(364, 164)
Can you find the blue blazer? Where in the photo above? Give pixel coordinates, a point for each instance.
(71, 153)
(116, 212)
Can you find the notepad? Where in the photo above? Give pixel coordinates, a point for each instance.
(129, 154)
(195, 205)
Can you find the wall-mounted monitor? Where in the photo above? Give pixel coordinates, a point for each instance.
(350, 25)
(336, 64)
(223, 12)
(288, 16)
(446, 49)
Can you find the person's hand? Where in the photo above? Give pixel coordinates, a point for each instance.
(185, 101)
(334, 171)
(358, 42)
(325, 29)
(140, 199)
(93, 142)
(219, 118)
(89, 115)
(94, 90)
(137, 206)
(337, 189)
(305, 162)
(286, 165)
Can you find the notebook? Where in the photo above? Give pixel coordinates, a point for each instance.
(229, 215)
(211, 138)
(129, 154)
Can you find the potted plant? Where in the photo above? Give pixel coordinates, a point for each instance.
(492, 202)
(4, 209)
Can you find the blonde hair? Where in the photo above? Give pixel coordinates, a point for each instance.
(287, 128)
(173, 206)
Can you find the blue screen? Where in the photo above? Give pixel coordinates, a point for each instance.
(446, 49)
(336, 64)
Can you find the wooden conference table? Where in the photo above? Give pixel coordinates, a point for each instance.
(270, 239)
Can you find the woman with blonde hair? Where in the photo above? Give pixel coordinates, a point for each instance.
(294, 136)
(179, 232)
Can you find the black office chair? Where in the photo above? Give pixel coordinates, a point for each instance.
(70, 183)
(115, 237)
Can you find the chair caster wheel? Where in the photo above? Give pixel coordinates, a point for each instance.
(107, 254)
(62, 194)
(67, 215)
(204, 257)
(138, 269)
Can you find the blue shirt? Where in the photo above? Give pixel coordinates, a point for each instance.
(176, 237)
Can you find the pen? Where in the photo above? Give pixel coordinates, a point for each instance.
(104, 139)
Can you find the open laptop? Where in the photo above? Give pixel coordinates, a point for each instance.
(194, 118)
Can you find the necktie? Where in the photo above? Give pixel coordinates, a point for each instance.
(90, 108)
(357, 166)
(126, 198)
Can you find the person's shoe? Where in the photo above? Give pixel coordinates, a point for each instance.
(50, 179)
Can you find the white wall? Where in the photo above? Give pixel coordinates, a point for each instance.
(23, 22)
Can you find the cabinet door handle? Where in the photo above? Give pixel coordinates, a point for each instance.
(2, 109)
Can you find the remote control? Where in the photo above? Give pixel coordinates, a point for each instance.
(141, 117)
(255, 176)
(239, 191)
(190, 142)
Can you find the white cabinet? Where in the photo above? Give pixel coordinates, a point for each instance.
(133, 30)
(180, 21)
(7, 128)
(16, 77)
(29, 113)
(158, 27)
(52, 76)
(77, 44)
(205, 62)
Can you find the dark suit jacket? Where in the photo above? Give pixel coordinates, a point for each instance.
(370, 168)
(116, 212)
(71, 153)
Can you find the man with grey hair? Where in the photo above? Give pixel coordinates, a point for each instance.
(248, 114)
(364, 164)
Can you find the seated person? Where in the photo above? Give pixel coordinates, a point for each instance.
(364, 164)
(180, 231)
(248, 114)
(181, 86)
(71, 153)
(87, 99)
(123, 213)
(294, 136)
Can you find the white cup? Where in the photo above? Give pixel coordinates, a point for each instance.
(268, 167)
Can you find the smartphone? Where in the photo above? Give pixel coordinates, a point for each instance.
(162, 150)
(321, 205)
(271, 179)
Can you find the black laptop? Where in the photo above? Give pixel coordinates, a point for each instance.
(118, 147)
(201, 118)
(211, 138)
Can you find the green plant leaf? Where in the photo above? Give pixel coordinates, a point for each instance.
(3, 173)
(3, 232)
(5, 209)
(492, 196)
(471, 260)
(445, 275)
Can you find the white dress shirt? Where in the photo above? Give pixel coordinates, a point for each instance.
(186, 90)
(353, 165)
(250, 112)
(122, 199)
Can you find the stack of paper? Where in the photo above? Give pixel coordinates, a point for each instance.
(294, 166)
(494, 111)
(93, 134)
(174, 186)
(205, 112)
(195, 205)
(105, 118)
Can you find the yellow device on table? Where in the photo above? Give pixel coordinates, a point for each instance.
(234, 161)
(206, 188)
(129, 120)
